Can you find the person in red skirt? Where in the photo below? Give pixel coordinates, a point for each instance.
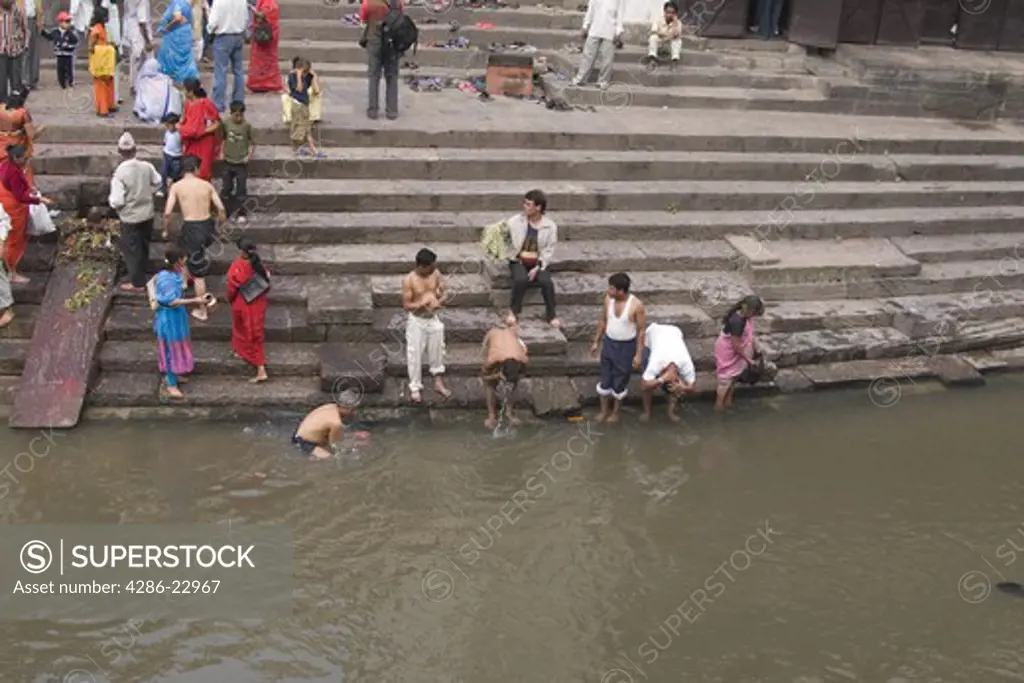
(248, 285)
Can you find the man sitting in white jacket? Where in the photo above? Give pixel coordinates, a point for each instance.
(666, 29)
(602, 27)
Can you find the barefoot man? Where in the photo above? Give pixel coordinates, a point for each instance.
(195, 196)
(621, 348)
(505, 359)
(667, 364)
(322, 429)
(422, 297)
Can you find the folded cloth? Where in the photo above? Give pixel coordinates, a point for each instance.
(495, 241)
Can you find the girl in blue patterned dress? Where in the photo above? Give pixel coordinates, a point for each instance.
(170, 323)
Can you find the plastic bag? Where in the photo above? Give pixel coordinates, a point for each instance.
(39, 220)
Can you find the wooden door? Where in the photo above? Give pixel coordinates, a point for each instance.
(900, 22)
(815, 23)
(859, 22)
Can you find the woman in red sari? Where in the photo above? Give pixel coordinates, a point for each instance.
(247, 316)
(16, 194)
(16, 127)
(264, 70)
(200, 128)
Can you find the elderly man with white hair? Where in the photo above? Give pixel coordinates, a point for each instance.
(131, 195)
(602, 27)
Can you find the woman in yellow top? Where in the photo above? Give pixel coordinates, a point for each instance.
(101, 64)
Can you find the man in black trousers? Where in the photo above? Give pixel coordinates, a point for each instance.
(131, 195)
(533, 236)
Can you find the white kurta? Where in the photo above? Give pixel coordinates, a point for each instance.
(81, 15)
(136, 12)
(605, 18)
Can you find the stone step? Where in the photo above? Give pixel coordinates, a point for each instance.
(695, 69)
(622, 95)
(334, 10)
(561, 29)
(211, 358)
(141, 389)
(939, 249)
(632, 55)
(405, 228)
(943, 315)
(467, 257)
(836, 345)
(467, 325)
(826, 139)
(960, 276)
(23, 325)
(272, 196)
(12, 355)
(802, 261)
(514, 164)
(283, 324)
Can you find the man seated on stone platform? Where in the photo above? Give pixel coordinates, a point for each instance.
(666, 29)
(533, 237)
(505, 359)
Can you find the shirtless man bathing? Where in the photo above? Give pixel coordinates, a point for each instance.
(321, 430)
(195, 196)
(505, 358)
(422, 297)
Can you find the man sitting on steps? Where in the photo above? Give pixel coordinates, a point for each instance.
(666, 29)
(533, 237)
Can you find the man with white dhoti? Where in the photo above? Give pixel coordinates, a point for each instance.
(422, 298)
(136, 38)
(602, 26)
(81, 16)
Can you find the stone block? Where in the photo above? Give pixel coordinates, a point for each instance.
(941, 248)
(12, 356)
(553, 397)
(120, 389)
(797, 316)
(283, 393)
(954, 371)
(855, 259)
(211, 358)
(345, 299)
(825, 346)
(883, 376)
(793, 381)
(353, 368)
(752, 251)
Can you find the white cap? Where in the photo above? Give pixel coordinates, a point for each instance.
(126, 142)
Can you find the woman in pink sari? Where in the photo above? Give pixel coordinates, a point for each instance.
(264, 70)
(735, 349)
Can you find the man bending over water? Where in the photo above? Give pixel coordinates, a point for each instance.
(195, 196)
(505, 358)
(322, 429)
(667, 364)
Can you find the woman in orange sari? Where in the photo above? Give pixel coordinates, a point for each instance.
(264, 69)
(200, 128)
(16, 195)
(16, 127)
(247, 317)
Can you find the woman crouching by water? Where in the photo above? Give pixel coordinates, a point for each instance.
(737, 357)
(170, 323)
(248, 284)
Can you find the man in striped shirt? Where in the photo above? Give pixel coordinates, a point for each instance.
(13, 32)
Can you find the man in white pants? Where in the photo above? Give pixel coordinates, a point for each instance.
(136, 37)
(422, 298)
(666, 29)
(602, 27)
(667, 364)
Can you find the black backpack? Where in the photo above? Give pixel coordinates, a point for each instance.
(399, 31)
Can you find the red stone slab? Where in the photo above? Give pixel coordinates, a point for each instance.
(53, 385)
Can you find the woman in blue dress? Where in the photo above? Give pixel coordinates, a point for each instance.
(176, 57)
(170, 323)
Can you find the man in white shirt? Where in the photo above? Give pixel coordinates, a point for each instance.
(602, 27)
(667, 364)
(136, 37)
(34, 24)
(227, 24)
(131, 195)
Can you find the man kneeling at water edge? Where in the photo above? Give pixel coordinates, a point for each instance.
(505, 358)
(667, 364)
(321, 430)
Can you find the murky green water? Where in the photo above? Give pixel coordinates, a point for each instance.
(800, 540)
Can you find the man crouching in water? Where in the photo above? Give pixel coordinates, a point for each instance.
(321, 430)
(667, 364)
(505, 358)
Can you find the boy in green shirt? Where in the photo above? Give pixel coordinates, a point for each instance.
(236, 152)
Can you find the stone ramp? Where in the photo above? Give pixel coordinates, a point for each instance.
(55, 379)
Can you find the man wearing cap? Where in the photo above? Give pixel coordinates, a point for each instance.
(131, 195)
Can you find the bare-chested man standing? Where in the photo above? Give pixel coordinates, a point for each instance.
(195, 196)
(422, 297)
(505, 358)
(322, 429)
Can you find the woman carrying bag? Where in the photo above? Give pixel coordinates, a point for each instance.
(248, 284)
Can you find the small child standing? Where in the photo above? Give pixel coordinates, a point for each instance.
(171, 171)
(236, 152)
(102, 64)
(65, 42)
(300, 86)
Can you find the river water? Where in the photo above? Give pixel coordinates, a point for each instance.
(803, 539)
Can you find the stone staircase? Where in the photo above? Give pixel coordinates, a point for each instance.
(867, 237)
